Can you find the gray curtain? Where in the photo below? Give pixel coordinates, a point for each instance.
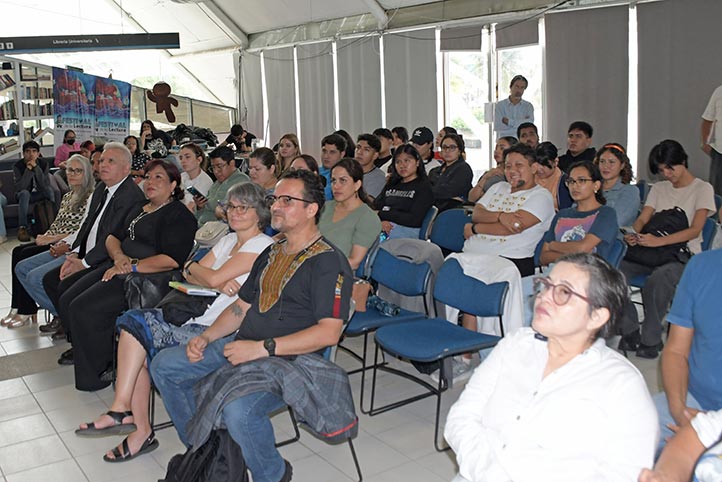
(513, 34)
(281, 93)
(587, 73)
(679, 67)
(461, 38)
(251, 102)
(410, 72)
(359, 84)
(315, 86)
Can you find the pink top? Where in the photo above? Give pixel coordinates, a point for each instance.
(63, 153)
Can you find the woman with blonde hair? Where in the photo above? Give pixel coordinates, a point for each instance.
(288, 150)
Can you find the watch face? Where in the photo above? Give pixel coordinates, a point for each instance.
(270, 346)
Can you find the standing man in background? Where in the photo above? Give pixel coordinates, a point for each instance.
(711, 141)
(509, 113)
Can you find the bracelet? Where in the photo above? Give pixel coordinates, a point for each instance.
(473, 228)
(134, 268)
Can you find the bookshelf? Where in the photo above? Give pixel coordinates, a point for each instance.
(26, 105)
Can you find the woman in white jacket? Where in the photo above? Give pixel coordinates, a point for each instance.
(552, 403)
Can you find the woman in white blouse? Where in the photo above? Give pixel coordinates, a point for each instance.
(553, 402)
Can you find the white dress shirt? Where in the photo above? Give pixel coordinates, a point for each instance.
(590, 420)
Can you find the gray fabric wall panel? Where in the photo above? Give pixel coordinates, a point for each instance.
(410, 68)
(587, 73)
(251, 112)
(315, 86)
(359, 84)
(461, 38)
(679, 67)
(515, 34)
(281, 93)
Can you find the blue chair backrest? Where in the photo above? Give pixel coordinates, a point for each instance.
(718, 204)
(363, 268)
(708, 231)
(425, 229)
(616, 254)
(448, 229)
(454, 288)
(643, 189)
(400, 275)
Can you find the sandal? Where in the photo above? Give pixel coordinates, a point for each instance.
(118, 427)
(149, 445)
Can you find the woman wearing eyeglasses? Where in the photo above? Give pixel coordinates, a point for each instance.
(451, 181)
(550, 177)
(617, 174)
(552, 402)
(143, 333)
(589, 226)
(347, 220)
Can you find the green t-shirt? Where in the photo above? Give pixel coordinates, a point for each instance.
(361, 226)
(217, 193)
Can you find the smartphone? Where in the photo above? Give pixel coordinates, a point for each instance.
(627, 230)
(195, 192)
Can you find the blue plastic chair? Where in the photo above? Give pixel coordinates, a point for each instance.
(616, 254)
(401, 276)
(708, 232)
(427, 223)
(448, 230)
(435, 340)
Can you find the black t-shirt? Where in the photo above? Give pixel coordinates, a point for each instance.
(453, 181)
(317, 285)
(566, 161)
(406, 203)
(380, 161)
(239, 145)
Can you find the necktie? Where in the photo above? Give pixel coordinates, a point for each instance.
(92, 220)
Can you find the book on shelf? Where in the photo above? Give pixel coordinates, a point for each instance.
(6, 81)
(191, 289)
(7, 110)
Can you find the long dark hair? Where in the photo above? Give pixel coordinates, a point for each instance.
(410, 150)
(356, 172)
(595, 175)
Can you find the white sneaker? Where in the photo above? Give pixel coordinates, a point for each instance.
(461, 369)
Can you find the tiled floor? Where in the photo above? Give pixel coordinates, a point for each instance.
(39, 413)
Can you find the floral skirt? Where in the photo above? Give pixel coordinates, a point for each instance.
(153, 332)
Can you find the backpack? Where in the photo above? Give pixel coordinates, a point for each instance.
(662, 223)
(219, 459)
(43, 217)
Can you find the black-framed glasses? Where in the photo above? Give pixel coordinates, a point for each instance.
(449, 147)
(218, 167)
(240, 208)
(561, 294)
(284, 201)
(73, 170)
(570, 181)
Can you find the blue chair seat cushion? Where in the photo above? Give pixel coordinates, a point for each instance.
(371, 319)
(638, 281)
(430, 340)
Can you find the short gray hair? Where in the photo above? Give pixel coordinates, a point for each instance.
(120, 147)
(253, 195)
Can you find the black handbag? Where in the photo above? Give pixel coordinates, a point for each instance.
(662, 223)
(219, 459)
(146, 290)
(179, 307)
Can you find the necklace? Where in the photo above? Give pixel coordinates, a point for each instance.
(143, 213)
(313, 240)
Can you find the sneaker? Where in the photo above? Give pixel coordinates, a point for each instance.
(461, 369)
(23, 235)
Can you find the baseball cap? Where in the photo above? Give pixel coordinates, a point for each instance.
(422, 135)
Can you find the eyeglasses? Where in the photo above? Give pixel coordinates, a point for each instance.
(570, 181)
(284, 201)
(561, 294)
(449, 147)
(72, 170)
(240, 208)
(218, 167)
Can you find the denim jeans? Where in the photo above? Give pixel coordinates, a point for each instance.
(247, 421)
(665, 417)
(24, 200)
(174, 376)
(399, 232)
(3, 203)
(30, 273)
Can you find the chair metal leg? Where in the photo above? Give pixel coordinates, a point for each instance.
(439, 391)
(151, 412)
(297, 434)
(355, 460)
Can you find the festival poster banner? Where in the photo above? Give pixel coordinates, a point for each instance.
(74, 99)
(112, 109)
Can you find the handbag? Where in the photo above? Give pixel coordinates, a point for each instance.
(179, 307)
(145, 290)
(662, 223)
(219, 459)
(210, 233)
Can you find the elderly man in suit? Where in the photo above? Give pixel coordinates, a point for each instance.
(109, 208)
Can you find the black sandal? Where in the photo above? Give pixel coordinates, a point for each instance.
(118, 427)
(149, 445)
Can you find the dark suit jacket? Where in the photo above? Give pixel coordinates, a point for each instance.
(126, 197)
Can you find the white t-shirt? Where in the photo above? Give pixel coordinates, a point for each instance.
(713, 113)
(698, 195)
(202, 182)
(709, 430)
(536, 201)
(222, 252)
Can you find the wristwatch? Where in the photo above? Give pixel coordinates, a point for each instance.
(134, 264)
(270, 345)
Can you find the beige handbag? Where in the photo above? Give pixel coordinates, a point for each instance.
(210, 233)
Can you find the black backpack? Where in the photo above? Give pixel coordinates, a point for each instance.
(662, 223)
(43, 217)
(219, 459)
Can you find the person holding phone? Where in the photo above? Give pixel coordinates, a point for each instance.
(195, 181)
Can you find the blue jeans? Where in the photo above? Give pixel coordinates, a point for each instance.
(174, 376)
(399, 232)
(665, 417)
(3, 203)
(247, 421)
(30, 273)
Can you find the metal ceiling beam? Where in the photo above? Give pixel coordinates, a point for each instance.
(233, 29)
(378, 12)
